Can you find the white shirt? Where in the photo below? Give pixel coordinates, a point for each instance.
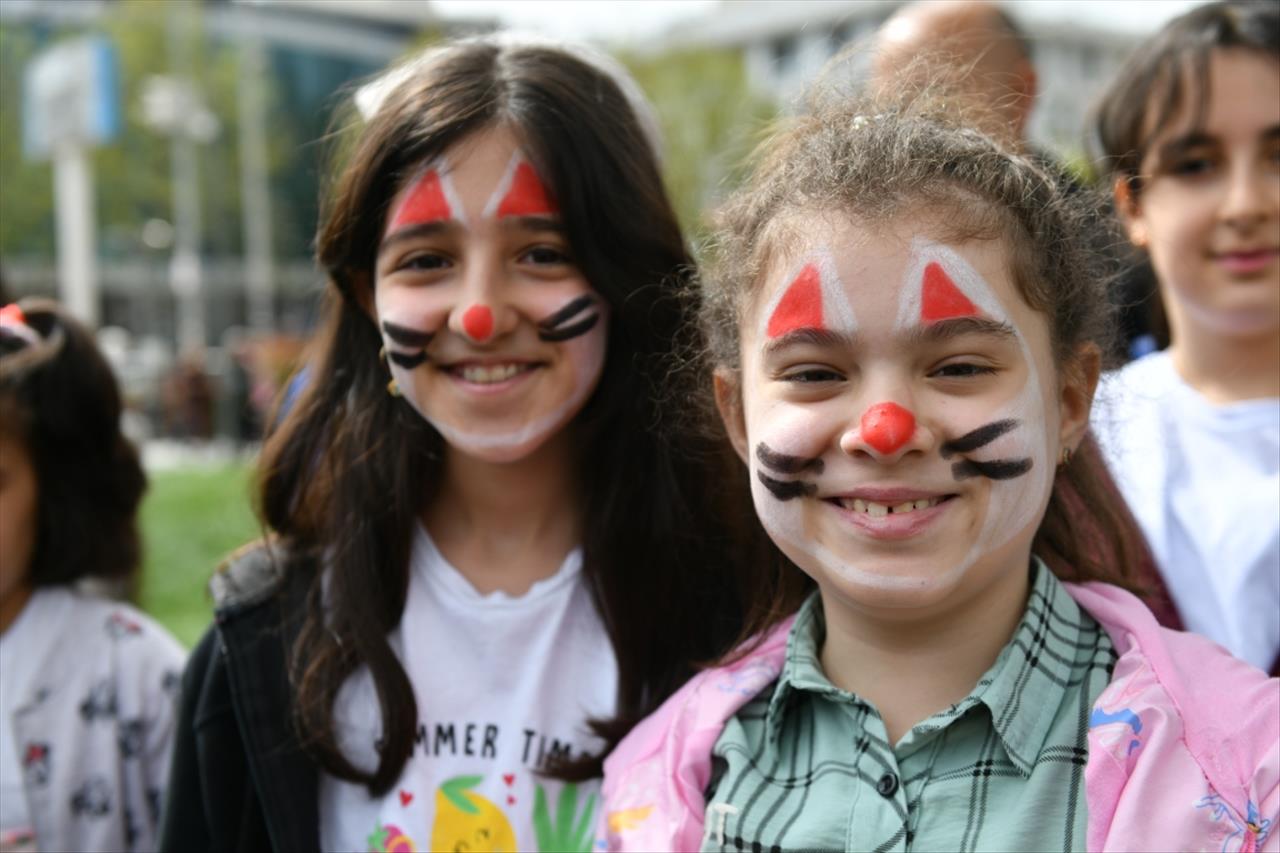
(1203, 481)
(501, 684)
(88, 689)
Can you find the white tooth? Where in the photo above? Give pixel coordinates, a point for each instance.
(904, 507)
(859, 505)
(924, 503)
(876, 510)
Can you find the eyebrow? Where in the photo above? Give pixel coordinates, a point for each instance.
(956, 327)
(1179, 146)
(809, 335)
(413, 232)
(533, 223)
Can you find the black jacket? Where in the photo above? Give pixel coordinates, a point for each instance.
(240, 779)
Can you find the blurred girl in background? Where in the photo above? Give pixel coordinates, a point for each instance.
(87, 686)
(493, 550)
(1190, 130)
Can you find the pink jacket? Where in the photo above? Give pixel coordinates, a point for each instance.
(1184, 745)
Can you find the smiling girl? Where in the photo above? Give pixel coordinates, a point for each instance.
(1191, 136)
(907, 325)
(492, 552)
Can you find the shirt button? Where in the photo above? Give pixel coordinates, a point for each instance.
(887, 785)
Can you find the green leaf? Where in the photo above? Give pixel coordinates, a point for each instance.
(542, 820)
(456, 791)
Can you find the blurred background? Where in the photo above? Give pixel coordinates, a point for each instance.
(160, 164)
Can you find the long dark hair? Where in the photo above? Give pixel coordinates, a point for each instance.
(878, 159)
(60, 401)
(350, 469)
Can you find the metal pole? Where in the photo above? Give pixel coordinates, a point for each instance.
(254, 190)
(185, 273)
(73, 203)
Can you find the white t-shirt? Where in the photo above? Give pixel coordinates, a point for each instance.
(23, 649)
(1204, 483)
(502, 683)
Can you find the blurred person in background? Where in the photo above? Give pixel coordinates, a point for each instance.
(493, 547)
(1189, 133)
(87, 685)
(977, 50)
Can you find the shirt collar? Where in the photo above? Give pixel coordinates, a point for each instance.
(1025, 687)
(1022, 690)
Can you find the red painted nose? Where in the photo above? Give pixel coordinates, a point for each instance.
(887, 426)
(477, 322)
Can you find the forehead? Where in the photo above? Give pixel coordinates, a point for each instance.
(1240, 92)
(874, 265)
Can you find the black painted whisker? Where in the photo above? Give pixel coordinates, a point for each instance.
(405, 336)
(568, 332)
(575, 306)
(407, 360)
(785, 490)
(979, 437)
(784, 463)
(996, 469)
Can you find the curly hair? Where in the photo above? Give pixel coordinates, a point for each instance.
(60, 401)
(878, 161)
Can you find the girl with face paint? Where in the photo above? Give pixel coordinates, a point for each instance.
(1190, 133)
(907, 326)
(492, 549)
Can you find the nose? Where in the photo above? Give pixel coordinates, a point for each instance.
(1250, 197)
(482, 313)
(884, 432)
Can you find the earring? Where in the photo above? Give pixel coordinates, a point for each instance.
(382, 354)
(393, 389)
(1065, 458)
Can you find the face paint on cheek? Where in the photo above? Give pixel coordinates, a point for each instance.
(940, 285)
(786, 465)
(994, 469)
(409, 339)
(575, 318)
(585, 354)
(520, 193)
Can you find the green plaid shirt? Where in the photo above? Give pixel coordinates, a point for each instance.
(807, 766)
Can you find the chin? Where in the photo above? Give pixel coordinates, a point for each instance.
(887, 582)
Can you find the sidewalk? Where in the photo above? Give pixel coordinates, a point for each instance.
(160, 454)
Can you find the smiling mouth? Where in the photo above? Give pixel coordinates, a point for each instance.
(879, 510)
(490, 374)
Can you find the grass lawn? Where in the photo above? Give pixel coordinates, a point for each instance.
(191, 519)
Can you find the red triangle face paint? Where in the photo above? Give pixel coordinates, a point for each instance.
(801, 305)
(477, 322)
(527, 196)
(426, 202)
(940, 299)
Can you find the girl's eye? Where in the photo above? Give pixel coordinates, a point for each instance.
(1191, 166)
(546, 256)
(962, 370)
(811, 375)
(424, 262)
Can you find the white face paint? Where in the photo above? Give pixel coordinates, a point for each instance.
(492, 333)
(852, 424)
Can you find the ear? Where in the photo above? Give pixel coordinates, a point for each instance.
(1079, 381)
(362, 293)
(729, 402)
(1130, 211)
